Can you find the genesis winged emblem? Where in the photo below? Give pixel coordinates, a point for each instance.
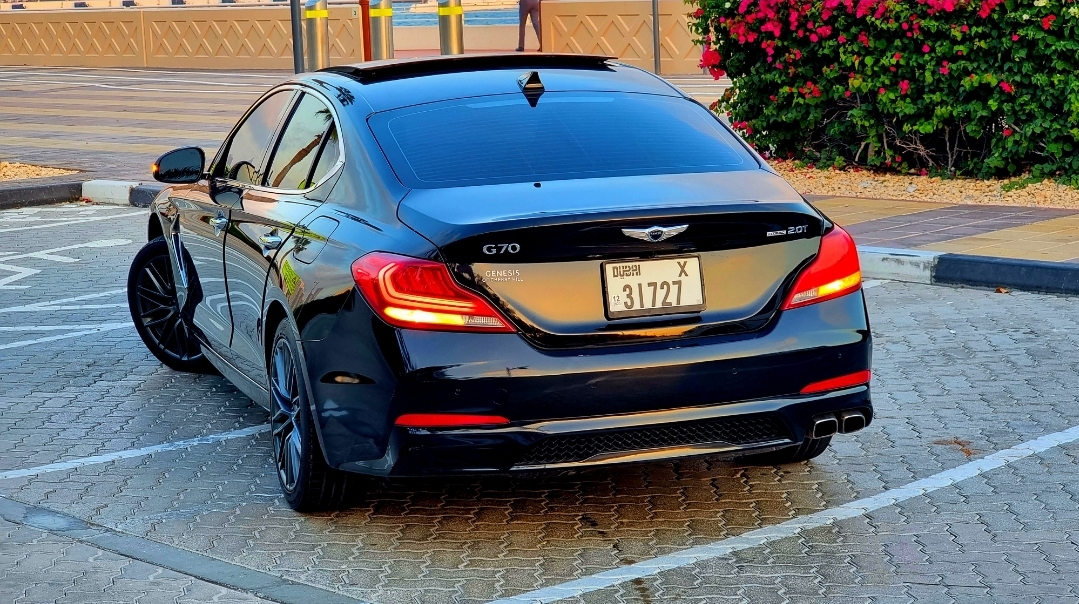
(655, 234)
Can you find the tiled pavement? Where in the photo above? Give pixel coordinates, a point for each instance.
(37, 566)
(958, 374)
(113, 123)
(1048, 234)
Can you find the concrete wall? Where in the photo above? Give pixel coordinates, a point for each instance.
(623, 29)
(258, 37)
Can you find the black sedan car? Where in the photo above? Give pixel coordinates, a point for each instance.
(502, 264)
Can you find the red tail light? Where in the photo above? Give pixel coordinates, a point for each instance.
(844, 381)
(834, 272)
(420, 294)
(448, 420)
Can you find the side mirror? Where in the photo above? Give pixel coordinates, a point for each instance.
(180, 166)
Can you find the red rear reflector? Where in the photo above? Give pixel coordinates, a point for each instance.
(448, 420)
(834, 272)
(844, 381)
(421, 294)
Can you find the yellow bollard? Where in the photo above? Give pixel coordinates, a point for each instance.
(382, 30)
(451, 27)
(317, 16)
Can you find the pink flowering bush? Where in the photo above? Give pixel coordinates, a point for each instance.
(977, 87)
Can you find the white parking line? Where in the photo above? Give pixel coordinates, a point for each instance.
(124, 87)
(50, 254)
(61, 303)
(75, 221)
(128, 454)
(162, 72)
(103, 327)
(57, 327)
(768, 534)
(157, 80)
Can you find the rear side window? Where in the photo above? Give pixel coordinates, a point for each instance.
(247, 150)
(567, 135)
(303, 137)
(328, 156)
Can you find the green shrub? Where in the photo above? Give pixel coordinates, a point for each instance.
(982, 87)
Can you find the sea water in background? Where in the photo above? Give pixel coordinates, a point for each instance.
(403, 17)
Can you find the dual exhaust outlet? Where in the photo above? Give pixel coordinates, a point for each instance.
(844, 421)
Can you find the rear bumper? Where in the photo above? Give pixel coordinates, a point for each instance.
(566, 398)
(750, 427)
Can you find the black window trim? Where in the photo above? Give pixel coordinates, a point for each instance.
(276, 139)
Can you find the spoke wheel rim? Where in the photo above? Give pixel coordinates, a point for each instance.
(159, 311)
(284, 421)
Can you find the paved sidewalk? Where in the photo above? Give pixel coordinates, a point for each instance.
(959, 374)
(113, 123)
(38, 566)
(1048, 234)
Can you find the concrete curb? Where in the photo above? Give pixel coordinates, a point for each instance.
(977, 271)
(110, 192)
(39, 194)
(143, 195)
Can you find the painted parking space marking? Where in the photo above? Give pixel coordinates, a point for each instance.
(131, 453)
(125, 87)
(51, 254)
(103, 327)
(21, 272)
(156, 79)
(161, 72)
(73, 221)
(792, 527)
(63, 303)
(56, 327)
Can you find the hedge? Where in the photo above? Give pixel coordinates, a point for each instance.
(984, 87)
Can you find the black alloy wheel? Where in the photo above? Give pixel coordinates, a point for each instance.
(308, 483)
(163, 326)
(284, 388)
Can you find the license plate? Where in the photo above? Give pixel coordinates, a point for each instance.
(639, 288)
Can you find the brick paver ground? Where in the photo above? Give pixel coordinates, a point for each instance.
(958, 374)
(37, 567)
(113, 123)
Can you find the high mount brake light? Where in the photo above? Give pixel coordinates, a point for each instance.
(421, 294)
(834, 272)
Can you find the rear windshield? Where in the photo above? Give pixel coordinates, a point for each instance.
(567, 135)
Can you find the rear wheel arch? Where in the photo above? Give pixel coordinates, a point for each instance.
(154, 228)
(275, 314)
(273, 317)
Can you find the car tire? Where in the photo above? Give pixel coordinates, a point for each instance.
(810, 448)
(163, 326)
(308, 483)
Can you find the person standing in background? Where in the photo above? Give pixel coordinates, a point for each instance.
(529, 7)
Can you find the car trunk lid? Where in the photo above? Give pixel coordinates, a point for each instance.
(538, 250)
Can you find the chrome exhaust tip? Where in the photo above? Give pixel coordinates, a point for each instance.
(825, 426)
(851, 421)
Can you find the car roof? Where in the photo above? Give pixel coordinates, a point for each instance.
(399, 83)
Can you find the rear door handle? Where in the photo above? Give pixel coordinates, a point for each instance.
(270, 242)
